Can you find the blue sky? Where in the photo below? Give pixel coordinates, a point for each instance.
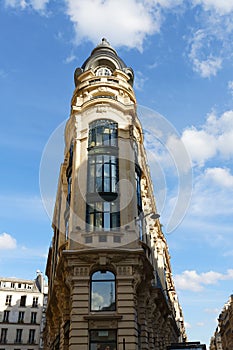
(181, 53)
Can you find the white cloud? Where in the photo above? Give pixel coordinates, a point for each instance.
(122, 26)
(139, 81)
(191, 280)
(214, 183)
(7, 241)
(37, 5)
(211, 44)
(220, 6)
(219, 176)
(70, 59)
(211, 139)
(200, 145)
(97, 300)
(204, 63)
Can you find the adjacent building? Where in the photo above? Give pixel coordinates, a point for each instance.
(109, 272)
(216, 341)
(22, 312)
(223, 337)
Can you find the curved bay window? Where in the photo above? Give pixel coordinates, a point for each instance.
(103, 291)
(102, 211)
(68, 197)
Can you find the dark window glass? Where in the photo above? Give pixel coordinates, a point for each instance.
(21, 317)
(33, 317)
(3, 338)
(8, 300)
(23, 300)
(102, 208)
(103, 173)
(102, 132)
(103, 291)
(31, 338)
(103, 216)
(103, 339)
(35, 302)
(6, 316)
(18, 338)
(138, 188)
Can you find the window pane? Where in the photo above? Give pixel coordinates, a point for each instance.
(103, 339)
(103, 296)
(103, 275)
(107, 221)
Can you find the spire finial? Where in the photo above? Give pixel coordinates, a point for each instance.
(105, 42)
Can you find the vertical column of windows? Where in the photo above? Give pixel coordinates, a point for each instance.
(138, 191)
(68, 197)
(102, 197)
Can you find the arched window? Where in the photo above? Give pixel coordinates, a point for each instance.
(103, 291)
(103, 71)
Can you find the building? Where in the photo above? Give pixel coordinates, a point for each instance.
(22, 306)
(187, 346)
(109, 273)
(216, 341)
(223, 337)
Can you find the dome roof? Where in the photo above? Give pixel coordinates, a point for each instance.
(103, 52)
(103, 55)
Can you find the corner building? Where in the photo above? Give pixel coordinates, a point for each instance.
(110, 281)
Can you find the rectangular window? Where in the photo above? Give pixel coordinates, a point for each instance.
(3, 338)
(6, 316)
(31, 339)
(33, 317)
(18, 338)
(8, 300)
(35, 302)
(103, 173)
(104, 339)
(21, 317)
(103, 216)
(23, 300)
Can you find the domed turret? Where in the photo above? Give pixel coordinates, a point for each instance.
(104, 61)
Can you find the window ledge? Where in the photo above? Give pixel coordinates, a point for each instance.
(103, 316)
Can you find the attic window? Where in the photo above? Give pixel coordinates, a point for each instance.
(103, 71)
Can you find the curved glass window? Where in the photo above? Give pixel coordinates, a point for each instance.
(102, 211)
(102, 216)
(103, 291)
(102, 132)
(103, 171)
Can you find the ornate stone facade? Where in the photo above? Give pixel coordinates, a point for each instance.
(110, 281)
(223, 336)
